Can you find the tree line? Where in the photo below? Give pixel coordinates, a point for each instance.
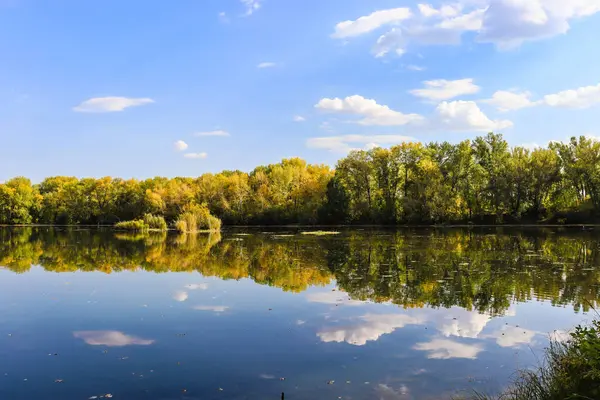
(481, 181)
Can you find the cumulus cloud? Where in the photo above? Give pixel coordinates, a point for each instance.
(442, 89)
(465, 116)
(509, 23)
(218, 132)
(251, 6)
(110, 104)
(446, 349)
(370, 22)
(511, 336)
(583, 97)
(370, 328)
(467, 325)
(180, 295)
(505, 23)
(266, 65)
(110, 338)
(196, 156)
(299, 118)
(371, 112)
(347, 143)
(216, 309)
(510, 100)
(180, 145)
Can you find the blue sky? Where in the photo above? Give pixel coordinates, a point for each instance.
(115, 87)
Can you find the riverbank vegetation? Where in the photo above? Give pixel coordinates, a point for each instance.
(479, 181)
(571, 370)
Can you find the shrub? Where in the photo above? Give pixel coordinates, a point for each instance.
(571, 370)
(134, 225)
(197, 218)
(155, 222)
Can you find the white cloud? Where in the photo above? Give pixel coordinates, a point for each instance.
(446, 349)
(467, 325)
(216, 309)
(110, 104)
(442, 89)
(213, 133)
(371, 328)
(347, 143)
(372, 113)
(299, 118)
(110, 338)
(251, 6)
(266, 65)
(506, 23)
(180, 145)
(465, 116)
(510, 100)
(197, 156)
(180, 295)
(582, 97)
(196, 286)
(511, 336)
(509, 23)
(448, 10)
(370, 22)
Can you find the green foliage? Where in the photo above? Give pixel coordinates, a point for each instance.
(571, 370)
(155, 222)
(134, 225)
(197, 218)
(479, 181)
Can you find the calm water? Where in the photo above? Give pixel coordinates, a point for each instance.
(414, 314)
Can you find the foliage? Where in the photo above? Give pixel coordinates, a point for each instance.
(479, 181)
(471, 269)
(155, 222)
(571, 370)
(197, 218)
(134, 225)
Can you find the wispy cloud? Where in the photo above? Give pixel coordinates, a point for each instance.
(213, 133)
(442, 89)
(251, 6)
(347, 143)
(110, 104)
(197, 156)
(266, 64)
(299, 118)
(216, 309)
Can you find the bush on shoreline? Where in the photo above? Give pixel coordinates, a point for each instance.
(571, 370)
(150, 222)
(197, 218)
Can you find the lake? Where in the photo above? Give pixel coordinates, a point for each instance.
(364, 314)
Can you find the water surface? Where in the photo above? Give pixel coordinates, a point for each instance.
(412, 314)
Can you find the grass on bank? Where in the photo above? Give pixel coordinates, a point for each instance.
(197, 219)
(148, 223)
(571, 370)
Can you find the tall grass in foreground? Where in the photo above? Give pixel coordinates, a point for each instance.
(571, 370)
(197, 218)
